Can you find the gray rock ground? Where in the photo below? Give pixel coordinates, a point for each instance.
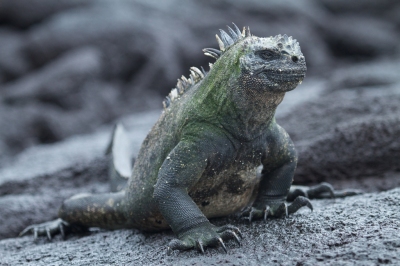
(359, 230)
(70, 69)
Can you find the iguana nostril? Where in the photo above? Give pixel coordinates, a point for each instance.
(295, 58)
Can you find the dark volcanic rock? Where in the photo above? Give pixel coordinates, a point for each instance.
(374, 74)
(348, 36)
(112, 28)
(314, 118)
(24, 13)
(362, 6)
(56, 81)
(346, 134)
(13, 62)
(63, 98)
(357, 149)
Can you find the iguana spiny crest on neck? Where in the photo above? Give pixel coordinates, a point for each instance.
(272, 76)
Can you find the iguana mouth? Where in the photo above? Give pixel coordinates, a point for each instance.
(280, 75)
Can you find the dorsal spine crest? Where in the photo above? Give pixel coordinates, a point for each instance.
(196, 75)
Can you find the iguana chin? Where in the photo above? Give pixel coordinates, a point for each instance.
(199, 160)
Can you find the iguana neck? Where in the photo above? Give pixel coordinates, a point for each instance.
(250, 113)
(245, 113)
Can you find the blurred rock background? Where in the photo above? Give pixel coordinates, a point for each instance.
(69, 69)
(69, 66)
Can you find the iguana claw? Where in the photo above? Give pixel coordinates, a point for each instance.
(200, 246)
(257, 213)
(222, 244)
(208, 235)
(48, 233)
(266, 213)
(230, 234)
(35, 233)
(229, 227)
(251, 214)
(281, 211)
(299, 202)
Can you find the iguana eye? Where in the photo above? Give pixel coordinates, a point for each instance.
(266, 54)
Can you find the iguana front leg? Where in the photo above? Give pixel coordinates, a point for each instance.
(274, 188)
(279, 164)
(180, 171)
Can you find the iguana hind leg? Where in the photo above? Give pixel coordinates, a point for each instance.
(321, 191)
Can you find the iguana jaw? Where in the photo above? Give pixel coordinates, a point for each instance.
(280, 75)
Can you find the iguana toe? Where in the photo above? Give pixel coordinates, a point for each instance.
(278, 210)
(298, 203)
(347, 193)
(229, 234)
(177, 244)
(205, 236)
(256, 213)
(229, 227)
(320, 191)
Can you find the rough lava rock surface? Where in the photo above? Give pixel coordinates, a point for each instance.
(70, 69)
(360, 230)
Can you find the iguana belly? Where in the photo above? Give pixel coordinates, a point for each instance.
(225, 193)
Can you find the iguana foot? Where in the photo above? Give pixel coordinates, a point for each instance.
(279, 210)
(204, 236)
(320, 191)
(49, 228)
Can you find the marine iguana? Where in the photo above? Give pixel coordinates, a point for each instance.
(200, 159)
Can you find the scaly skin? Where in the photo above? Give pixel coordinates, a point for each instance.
(199, 161)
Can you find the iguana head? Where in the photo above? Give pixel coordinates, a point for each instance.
(249, 71)
(273, 63)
